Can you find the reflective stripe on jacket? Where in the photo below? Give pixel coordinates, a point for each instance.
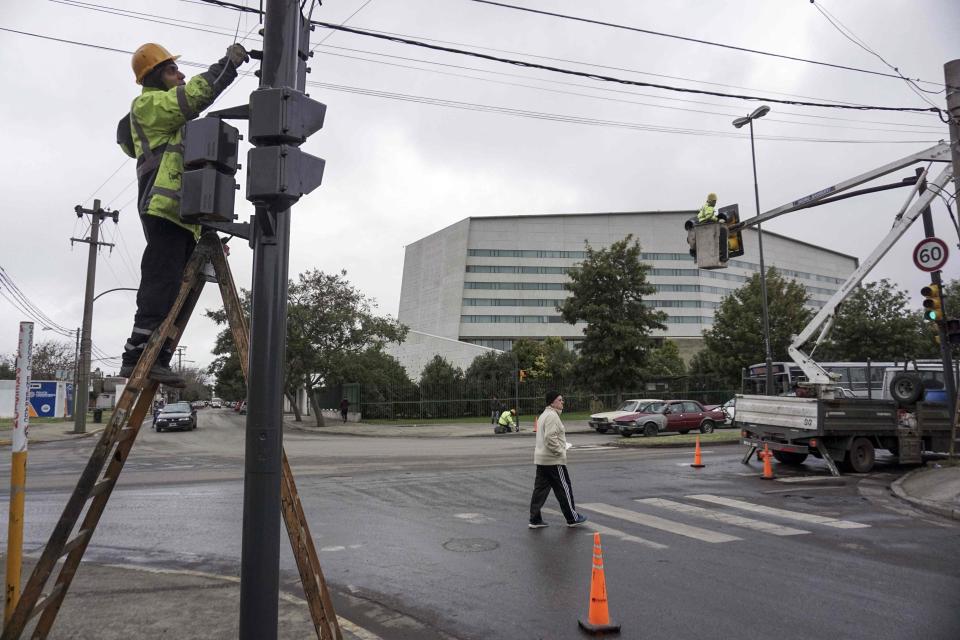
(155, 126)
(706, 214)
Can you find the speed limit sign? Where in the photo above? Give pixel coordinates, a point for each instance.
(930, 254)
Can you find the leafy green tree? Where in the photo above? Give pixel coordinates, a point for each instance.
(490, 373)
(665, 362)
(607, 291)
(329, 322)
(876, 322)
(736, 338)
(526, 351)
(225, 367)
(8, 369)
(440, 384)
(198, 384)
(555, 361)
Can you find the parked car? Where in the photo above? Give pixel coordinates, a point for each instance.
(176, 415)
(242, 407)
(682, 416)
(603, 422)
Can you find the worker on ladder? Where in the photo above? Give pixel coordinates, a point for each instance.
(708, 212)
(151, 133)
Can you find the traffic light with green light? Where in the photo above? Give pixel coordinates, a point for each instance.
(932, 303)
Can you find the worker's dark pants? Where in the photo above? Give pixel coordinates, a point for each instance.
(556, 477)
(161, 271)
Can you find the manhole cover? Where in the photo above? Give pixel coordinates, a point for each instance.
(470, 545)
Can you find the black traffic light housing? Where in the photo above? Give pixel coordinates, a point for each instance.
(734, 238)
(210, 148)
(952, 327)
(932, 303)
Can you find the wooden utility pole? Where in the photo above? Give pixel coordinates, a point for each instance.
(83, 382)
(951, 76)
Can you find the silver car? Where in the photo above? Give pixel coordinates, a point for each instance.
(648, 420)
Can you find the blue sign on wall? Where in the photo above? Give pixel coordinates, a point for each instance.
(43, 399)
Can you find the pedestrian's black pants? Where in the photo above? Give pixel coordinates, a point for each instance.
(161, 271)
(556, 477)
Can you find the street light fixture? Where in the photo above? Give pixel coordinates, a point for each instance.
(759, 112)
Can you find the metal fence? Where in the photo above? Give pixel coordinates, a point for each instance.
(467, 398)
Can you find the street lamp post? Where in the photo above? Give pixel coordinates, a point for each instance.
(759, 112)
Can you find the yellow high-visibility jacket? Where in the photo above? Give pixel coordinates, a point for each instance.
(506, 420)
(707, 213)
(152, 133)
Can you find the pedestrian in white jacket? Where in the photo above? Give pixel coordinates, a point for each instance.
(550, 457)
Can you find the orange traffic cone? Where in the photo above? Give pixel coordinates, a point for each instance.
(767, 466)
(697, 463)
(598, 619)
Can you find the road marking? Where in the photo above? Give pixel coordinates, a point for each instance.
(727, 518)
(592, 447)
(616, 533)
(658, 523)
(780, 513)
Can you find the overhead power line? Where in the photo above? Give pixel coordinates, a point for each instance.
(519, 112)
(593, 76)
(695, 40)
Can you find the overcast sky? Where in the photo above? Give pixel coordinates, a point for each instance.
(399, 168)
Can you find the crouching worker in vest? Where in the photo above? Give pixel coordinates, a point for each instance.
(151, 133)
(507, 422)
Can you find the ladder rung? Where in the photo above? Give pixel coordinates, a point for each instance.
(81, 538)
(43, 602)
(102, 486)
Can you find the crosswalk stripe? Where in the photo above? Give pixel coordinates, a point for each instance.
(658, 523)
(616, 533)
(727, 518)
(780, 513)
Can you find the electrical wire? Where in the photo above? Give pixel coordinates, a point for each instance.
(593, 76)
(185, 25)
(689, 39)
(852, 37)
(596, 76)
(12, 293)
(510, 111)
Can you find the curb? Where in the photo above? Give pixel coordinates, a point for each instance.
(920, 503)
(671, 445)
(6, 442)
(323, 431)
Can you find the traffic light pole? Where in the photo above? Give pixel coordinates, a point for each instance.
(951, 76)
(260, 552)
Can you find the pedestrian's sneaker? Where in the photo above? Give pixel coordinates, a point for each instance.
(579, 521)
(158, 373)
(538, 525)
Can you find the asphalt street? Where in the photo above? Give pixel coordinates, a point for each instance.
(427, 537)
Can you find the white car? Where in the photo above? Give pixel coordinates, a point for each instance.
(729, 409)
(604, 422)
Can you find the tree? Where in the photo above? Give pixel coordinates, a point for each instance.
(491, 373)
(226, 366)
(329, 322)
(607, 291)
(555, 361)
(665, 362)
(736, 338)
(440, 381)
(876, 323)
(49, 357)
(8, 368)
(526, 351)
(198, 384)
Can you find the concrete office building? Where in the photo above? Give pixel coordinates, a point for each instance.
(491, 280)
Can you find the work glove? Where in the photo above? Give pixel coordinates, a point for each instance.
(237, 54)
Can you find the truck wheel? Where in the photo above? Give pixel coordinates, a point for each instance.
(789, 457)
(906, 388)
(707, 426)
(861, 456)
(650, 430)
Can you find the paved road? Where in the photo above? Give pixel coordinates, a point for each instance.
(427, 538)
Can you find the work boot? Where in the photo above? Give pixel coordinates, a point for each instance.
(158, 373)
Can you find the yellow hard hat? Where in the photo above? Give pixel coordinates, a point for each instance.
(147, 57)
(712, 196)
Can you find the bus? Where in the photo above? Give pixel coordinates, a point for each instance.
(860, 379)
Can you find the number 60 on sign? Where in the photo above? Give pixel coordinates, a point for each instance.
(930, 254)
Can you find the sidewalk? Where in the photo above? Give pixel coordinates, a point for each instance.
(41, 432)
(118, 602)
(448, 430)
(935, 488)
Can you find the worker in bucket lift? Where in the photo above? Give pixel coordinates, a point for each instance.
(151, 133)
(507, 422)
(708, 212)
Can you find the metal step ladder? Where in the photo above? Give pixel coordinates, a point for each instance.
(68, 542)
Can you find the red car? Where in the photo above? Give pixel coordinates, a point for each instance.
(681, 416)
